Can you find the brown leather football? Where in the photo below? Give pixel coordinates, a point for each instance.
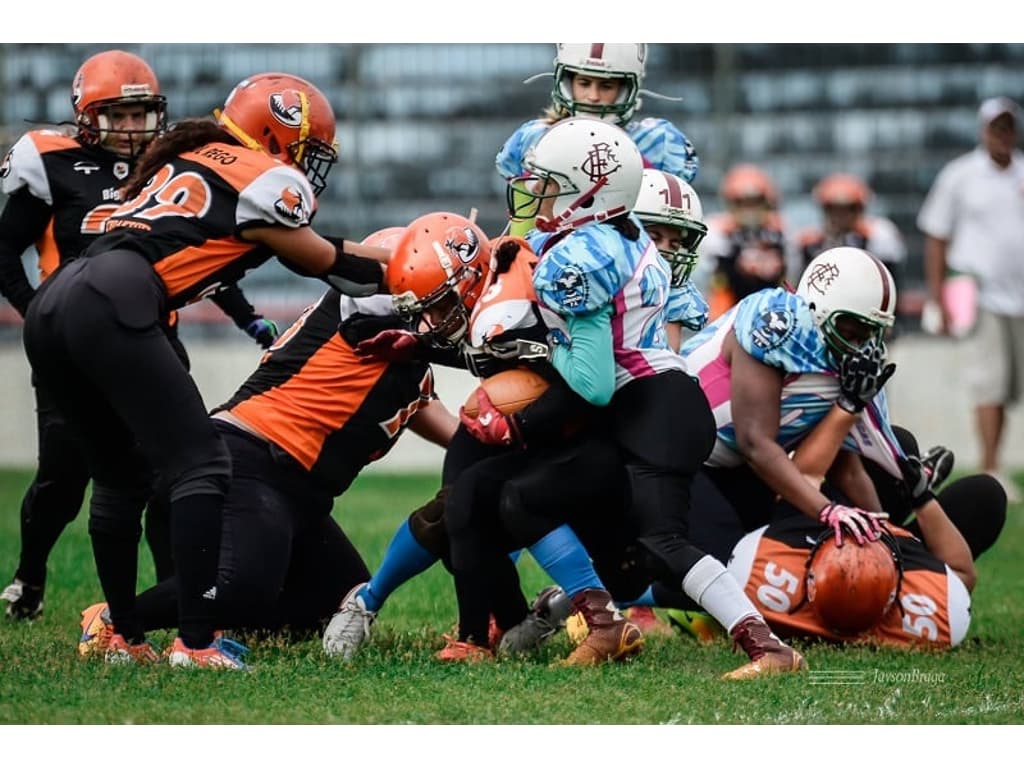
(510, 391)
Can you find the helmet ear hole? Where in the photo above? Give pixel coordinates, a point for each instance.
(274, 146)
(587, 203)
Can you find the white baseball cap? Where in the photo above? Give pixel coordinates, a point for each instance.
(992, 108)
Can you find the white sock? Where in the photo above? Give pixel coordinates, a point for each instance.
(718, 593)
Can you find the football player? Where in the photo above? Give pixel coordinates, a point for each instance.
(603, 80)
(298, 431)
(208, 201)
(745, 249)
(61, 188)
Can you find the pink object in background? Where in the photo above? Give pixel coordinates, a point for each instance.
(960, 295)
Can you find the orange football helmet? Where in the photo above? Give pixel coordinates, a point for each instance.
(116, 78)
(383, 238)
(436, 275)
(748, 182)
(287, 118)
(842, 189)
(852, 587)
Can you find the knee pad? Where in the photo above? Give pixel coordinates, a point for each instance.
(428, 526)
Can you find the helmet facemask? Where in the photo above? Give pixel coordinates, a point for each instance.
(618, 112)
(441, 318)
(683, 258)
(315, 158)
(96, 127)
(846, 332)
(525, 195)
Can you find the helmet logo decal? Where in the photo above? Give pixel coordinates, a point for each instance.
(600, 162)
(291, 206)
(136, 89)
(76, 89)
(822, 276)
(286, 108)
(463, 243)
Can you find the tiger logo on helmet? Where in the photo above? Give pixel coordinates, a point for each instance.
(287, 118)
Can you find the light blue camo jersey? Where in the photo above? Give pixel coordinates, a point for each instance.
(777, 328)
(595, 266)
(663, 147)
(687, 305)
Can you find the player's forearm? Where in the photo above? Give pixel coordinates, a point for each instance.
(945, 541)
(770, 462)
(819, 449)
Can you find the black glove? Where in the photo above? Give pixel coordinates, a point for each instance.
(264, 331)
(917, 481)
(862, 374)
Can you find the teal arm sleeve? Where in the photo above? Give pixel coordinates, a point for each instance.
(588, 363)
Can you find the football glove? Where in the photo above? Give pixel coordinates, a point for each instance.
(862, 524)
(917, 480)
(264, 331)
(490, 426)
(862, 375)
(391, 346)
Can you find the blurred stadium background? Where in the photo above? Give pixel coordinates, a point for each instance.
(419, 125)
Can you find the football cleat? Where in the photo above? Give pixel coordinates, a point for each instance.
(768, 655)
(119, 651)
(222, 653)
(552, 605)
(24, 601)
(696, 624)
(457, 650)
(610, 637)
(97, 630)
(937, 463)
(526, 636)
(349, 628)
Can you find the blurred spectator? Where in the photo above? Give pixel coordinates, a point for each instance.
(745, 248)
(973, 221)
(843, 199)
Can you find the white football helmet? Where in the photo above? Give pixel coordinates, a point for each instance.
(622, 61)
(848, 283)
(595, 165)
(667, 199)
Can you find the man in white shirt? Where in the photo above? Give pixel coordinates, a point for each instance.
(973, 221)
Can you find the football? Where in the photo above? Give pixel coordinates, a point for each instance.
(510, 391)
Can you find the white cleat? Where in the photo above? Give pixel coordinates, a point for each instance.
(349, 627)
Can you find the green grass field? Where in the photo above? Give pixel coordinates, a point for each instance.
(396, 681)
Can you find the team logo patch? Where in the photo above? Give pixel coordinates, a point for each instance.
(600, 162)
(572, 287)
(121, 170)
(463, 243)
(772, 328)
(286, 107)
(821, 277)
(291, 205)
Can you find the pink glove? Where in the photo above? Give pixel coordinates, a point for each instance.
(490, 426)
(390, 346)
(862, 524)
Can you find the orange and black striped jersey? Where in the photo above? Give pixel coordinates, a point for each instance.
(330, 410)
(933, 607)
(79, 183)
(187, 219)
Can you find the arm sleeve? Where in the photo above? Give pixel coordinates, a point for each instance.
(23, 220)
(587, 363)
(233, 303)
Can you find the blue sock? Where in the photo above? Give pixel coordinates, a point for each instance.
(647, 598)
(565, 560)
(405, 558)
